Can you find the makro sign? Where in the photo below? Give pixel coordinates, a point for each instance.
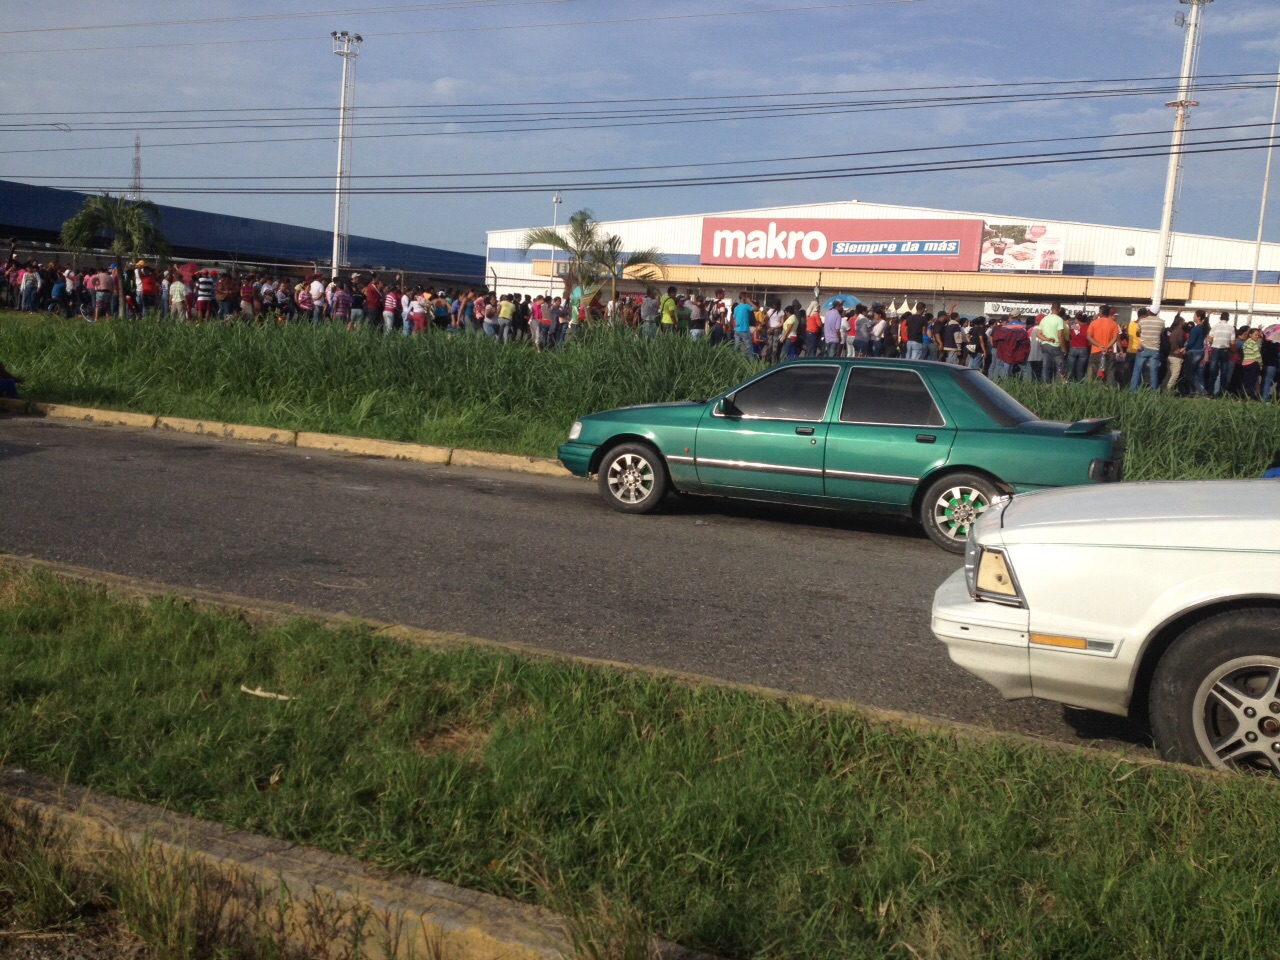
(954, 245)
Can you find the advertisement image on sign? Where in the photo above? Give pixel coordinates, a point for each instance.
(1029, 247)
(952, 245)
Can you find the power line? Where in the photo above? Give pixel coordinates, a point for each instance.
(259, 178)
(940, 166)
(638, 100)
(804, 110)
(592, 118)
(489, 29)
(258, 17)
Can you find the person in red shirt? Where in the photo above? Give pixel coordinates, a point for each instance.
(1077, 346)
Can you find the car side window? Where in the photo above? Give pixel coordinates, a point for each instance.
(883, 396)
(797, 392)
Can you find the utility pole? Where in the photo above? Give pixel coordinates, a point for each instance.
(347, 46)
(135, 188)
(1183, 104)
(1262, 217)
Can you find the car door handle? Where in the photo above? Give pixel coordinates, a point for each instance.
(805, 431)
(926, 438)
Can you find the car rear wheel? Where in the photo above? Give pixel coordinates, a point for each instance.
(1215, 695)
(633, 478)
(952, 504)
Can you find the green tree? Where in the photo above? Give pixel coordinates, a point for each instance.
(132, 226)
(579, 238)
(647, 264)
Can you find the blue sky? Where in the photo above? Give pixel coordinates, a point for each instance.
(444, 53)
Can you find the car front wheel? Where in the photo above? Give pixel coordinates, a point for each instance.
(1215, 695)
(952, 504)
(633, 478)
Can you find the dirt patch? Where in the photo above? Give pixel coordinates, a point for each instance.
(465, 741)
(105, 939)
(14, 588)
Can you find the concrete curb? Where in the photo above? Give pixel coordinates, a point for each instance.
(389, 449)
(400, 916)
(330, 442)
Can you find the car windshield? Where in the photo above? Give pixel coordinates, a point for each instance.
(998, 405)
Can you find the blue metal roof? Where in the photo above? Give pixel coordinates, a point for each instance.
(26, 208)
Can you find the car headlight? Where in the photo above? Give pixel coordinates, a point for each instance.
(994, 578)
(576, 430)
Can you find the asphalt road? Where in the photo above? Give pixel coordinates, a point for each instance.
(799, 600)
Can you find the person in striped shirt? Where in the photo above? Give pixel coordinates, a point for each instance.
(206, 294)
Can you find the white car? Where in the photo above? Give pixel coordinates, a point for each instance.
(1132, 596)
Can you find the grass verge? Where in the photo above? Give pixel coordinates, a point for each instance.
(60, 900)
(729, 822)
(475, 393)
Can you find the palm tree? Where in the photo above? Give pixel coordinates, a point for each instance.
(131, 224)
(579, 239)
(647, 264)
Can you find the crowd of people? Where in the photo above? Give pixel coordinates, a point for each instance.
(1199, 356)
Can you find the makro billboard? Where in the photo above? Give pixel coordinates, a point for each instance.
(954, 245)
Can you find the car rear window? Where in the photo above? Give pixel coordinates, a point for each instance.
(879, 395)
(995, 403)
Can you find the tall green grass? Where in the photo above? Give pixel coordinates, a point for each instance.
(1169, 437)
(470, 391)
(737, 824)
(465, 391)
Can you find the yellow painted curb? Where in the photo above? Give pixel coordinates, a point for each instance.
(92, 415)
(232, 431)
(331, 442)
(204, 428)
(507, 461)
(417, 452)
(243, 431)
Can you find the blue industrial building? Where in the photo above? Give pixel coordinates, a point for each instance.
(34, 214)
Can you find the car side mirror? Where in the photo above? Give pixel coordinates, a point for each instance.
(726, 407)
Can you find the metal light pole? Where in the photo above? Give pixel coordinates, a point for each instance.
(1262, 217)
(1184, 103)
(347, 46)
(557, 198)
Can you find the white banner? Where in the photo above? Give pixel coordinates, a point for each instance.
(1003, 308)
(1020, 247)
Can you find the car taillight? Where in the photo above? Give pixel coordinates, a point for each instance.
(1106, 471)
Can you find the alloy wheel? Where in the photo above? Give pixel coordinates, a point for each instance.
(631, 478)
(1236, 714)
(958, 509)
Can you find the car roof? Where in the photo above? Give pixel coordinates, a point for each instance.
(895, 362)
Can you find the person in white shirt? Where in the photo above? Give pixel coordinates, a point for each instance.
(1218, 367)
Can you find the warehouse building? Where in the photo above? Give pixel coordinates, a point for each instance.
(985, 263)
(33, 216)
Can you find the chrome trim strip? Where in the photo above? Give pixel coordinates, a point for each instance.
(882, 477)
(672, 458)
(762, 467)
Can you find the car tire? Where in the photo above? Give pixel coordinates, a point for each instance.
(633, 478)
(952, 504)
(1215, 694)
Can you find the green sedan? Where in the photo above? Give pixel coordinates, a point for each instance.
(933, 441)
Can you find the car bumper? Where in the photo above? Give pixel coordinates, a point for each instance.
(989, 640)
(576, 457)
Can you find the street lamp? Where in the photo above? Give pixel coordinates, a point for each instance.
(347, 46)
